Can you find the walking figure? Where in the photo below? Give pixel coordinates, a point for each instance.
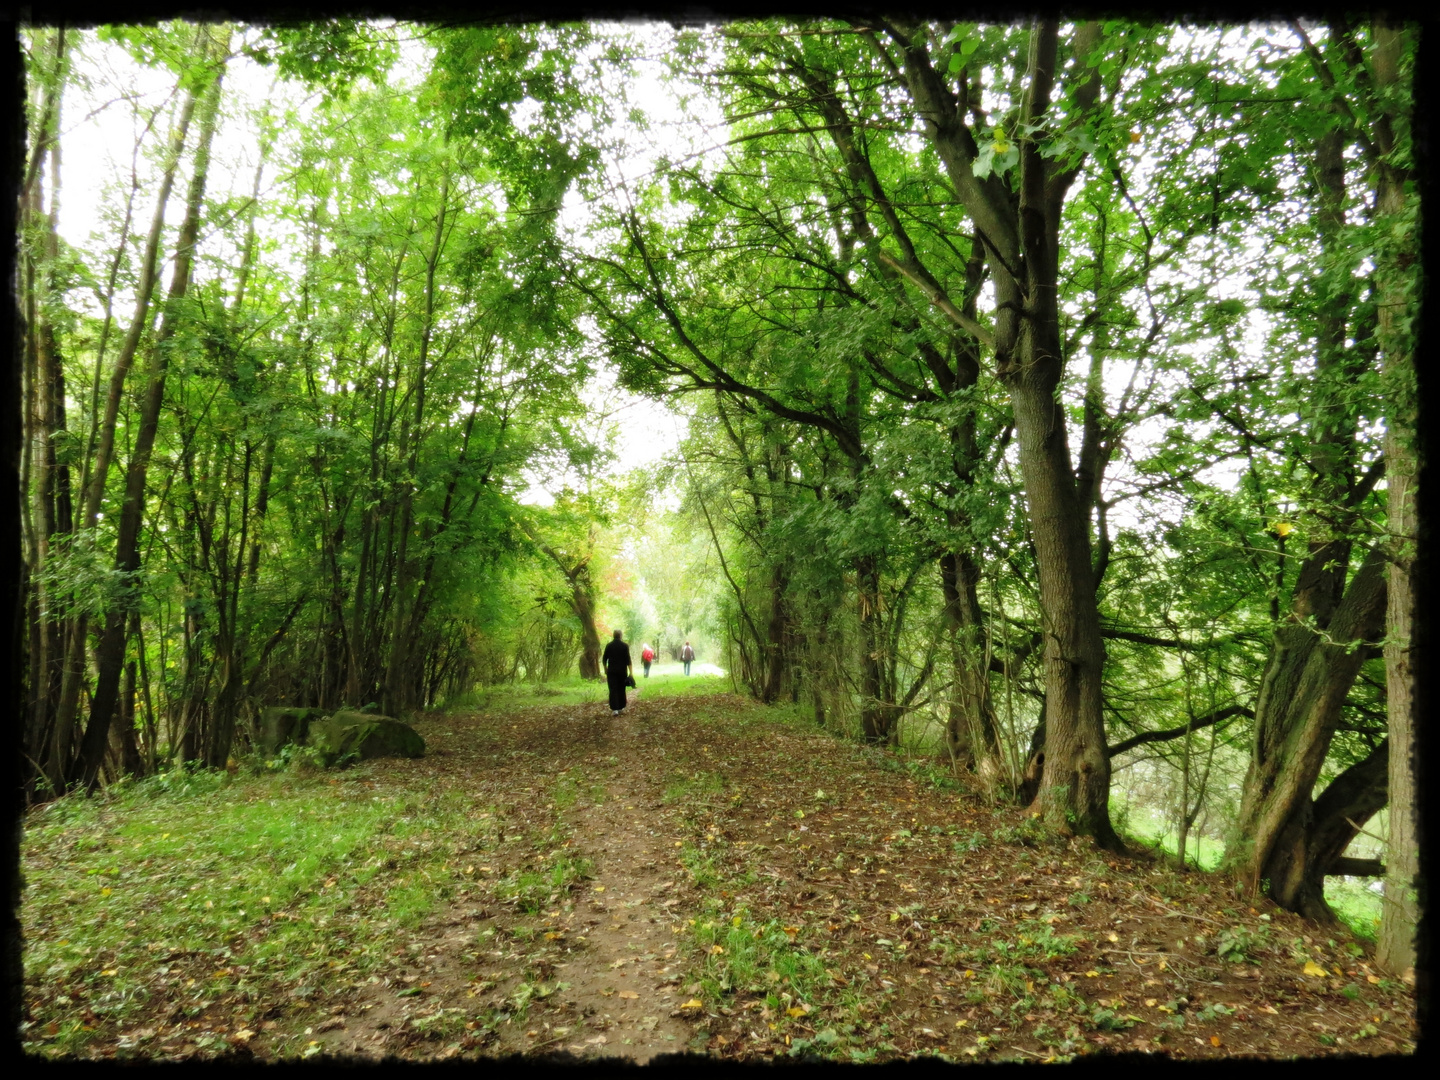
(618, 672)
(647, 657)
(687, 654)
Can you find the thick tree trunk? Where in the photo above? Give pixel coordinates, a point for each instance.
(582, 601)
(1293, 738)
(1312, 843)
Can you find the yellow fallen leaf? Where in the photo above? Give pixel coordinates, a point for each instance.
(791, 930)
(795, 1011)
(629, 995)
(1214, 1040)
(243, 1035)
(693, 1003)
(1270, 1010)
(735, 921)
(109, 971)
(1372, 978)
(1112, 936)
(961, 1023)
(553, 936)
(716, 950)
(1312, 968)
(1092, 974)
(1150, 1003)
(105, 891)
(599, 888)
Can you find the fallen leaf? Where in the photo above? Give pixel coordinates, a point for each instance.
(243, 1035)
(797, 1011)
(1214, 1040)
(693, 1003)
(717, 950)
(1312, 968)
(629, 995)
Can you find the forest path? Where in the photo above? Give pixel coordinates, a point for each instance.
(696, 876)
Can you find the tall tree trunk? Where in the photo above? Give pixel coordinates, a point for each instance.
(47, 481)
(776, 655)
(582, 601)
(876, 723)
(111, 653)
(1020, 231)
(1395, 274)
(400, 682)
(970, 729)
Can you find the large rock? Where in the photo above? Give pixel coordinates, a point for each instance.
(283, 726)
(364, 735)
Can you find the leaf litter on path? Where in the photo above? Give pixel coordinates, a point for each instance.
(695, 875)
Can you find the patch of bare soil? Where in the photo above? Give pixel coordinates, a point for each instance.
(724, 884)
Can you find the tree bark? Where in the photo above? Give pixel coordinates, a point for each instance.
(1292, 740)
(1401, 911)
(1020, 232)
(111, 653)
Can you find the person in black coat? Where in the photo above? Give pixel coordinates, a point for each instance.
(616, 662)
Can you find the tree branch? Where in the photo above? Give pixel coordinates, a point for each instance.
(1176, 733)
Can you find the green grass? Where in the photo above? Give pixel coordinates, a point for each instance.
(202, 887)
(1142, 824)
(686, 789)
(739, 955)
(574, 690)
(1351, 901)
(1355, 905)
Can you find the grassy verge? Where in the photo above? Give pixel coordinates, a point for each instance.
(247, 902)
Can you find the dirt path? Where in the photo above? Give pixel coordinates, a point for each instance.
(628, 976)
(748, 890)
(599, 972)
(697, 876)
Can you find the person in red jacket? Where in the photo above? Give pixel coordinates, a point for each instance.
(647, 657)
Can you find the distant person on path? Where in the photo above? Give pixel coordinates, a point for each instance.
(688, 655)
(616, 661)
(647, 657)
